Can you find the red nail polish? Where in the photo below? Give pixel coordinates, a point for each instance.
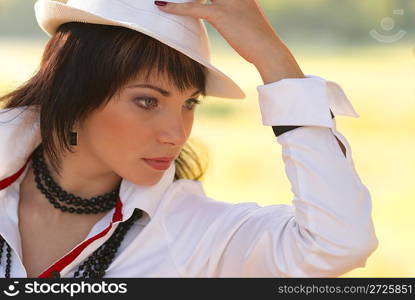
(160, 3)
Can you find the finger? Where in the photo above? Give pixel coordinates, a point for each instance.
(192, 9)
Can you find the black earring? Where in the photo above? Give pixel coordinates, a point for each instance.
(73, 138)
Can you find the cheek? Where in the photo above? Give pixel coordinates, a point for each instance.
(117, 129)
(189, 124)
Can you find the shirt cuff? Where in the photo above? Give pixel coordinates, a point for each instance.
(278, 130)
(305, 101)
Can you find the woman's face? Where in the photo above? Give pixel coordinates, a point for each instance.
(139, 122)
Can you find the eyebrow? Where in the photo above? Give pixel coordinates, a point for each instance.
(158, 89)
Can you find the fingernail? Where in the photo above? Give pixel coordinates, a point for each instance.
(160, 3)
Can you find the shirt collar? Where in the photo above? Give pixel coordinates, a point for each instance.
(20, 135)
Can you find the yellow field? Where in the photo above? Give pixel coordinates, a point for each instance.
(245, 160)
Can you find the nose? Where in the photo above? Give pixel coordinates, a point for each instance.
(173, 131)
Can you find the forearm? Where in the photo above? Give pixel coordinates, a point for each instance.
(276, 62)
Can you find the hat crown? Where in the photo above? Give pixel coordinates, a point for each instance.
(187, 31)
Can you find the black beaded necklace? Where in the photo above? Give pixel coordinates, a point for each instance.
(97, 263)
(101, 203)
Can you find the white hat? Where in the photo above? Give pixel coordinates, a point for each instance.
(183, 33)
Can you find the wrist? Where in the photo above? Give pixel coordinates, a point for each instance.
(277, 71)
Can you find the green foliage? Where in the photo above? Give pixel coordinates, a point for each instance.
(347, 21)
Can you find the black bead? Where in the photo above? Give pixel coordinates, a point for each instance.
(56, 274)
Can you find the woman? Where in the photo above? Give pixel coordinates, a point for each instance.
(88, 183)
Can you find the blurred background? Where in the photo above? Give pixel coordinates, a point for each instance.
(368, 47)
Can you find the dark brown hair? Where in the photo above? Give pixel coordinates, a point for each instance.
(84, 65)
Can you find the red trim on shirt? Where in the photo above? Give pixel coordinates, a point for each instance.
(9, 180)
(70, 257)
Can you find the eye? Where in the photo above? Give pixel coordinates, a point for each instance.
(194, 102)
(148, 100)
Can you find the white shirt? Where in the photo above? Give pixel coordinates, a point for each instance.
(326, 232)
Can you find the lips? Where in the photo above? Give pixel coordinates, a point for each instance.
(158, 164)
(161, 158)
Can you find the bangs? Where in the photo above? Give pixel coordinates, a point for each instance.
(159, 60)
(137, 55)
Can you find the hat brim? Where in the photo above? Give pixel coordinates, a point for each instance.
(51, 14)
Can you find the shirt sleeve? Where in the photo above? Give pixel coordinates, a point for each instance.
(328, 229)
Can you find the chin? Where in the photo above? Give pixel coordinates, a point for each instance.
(149, 179)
